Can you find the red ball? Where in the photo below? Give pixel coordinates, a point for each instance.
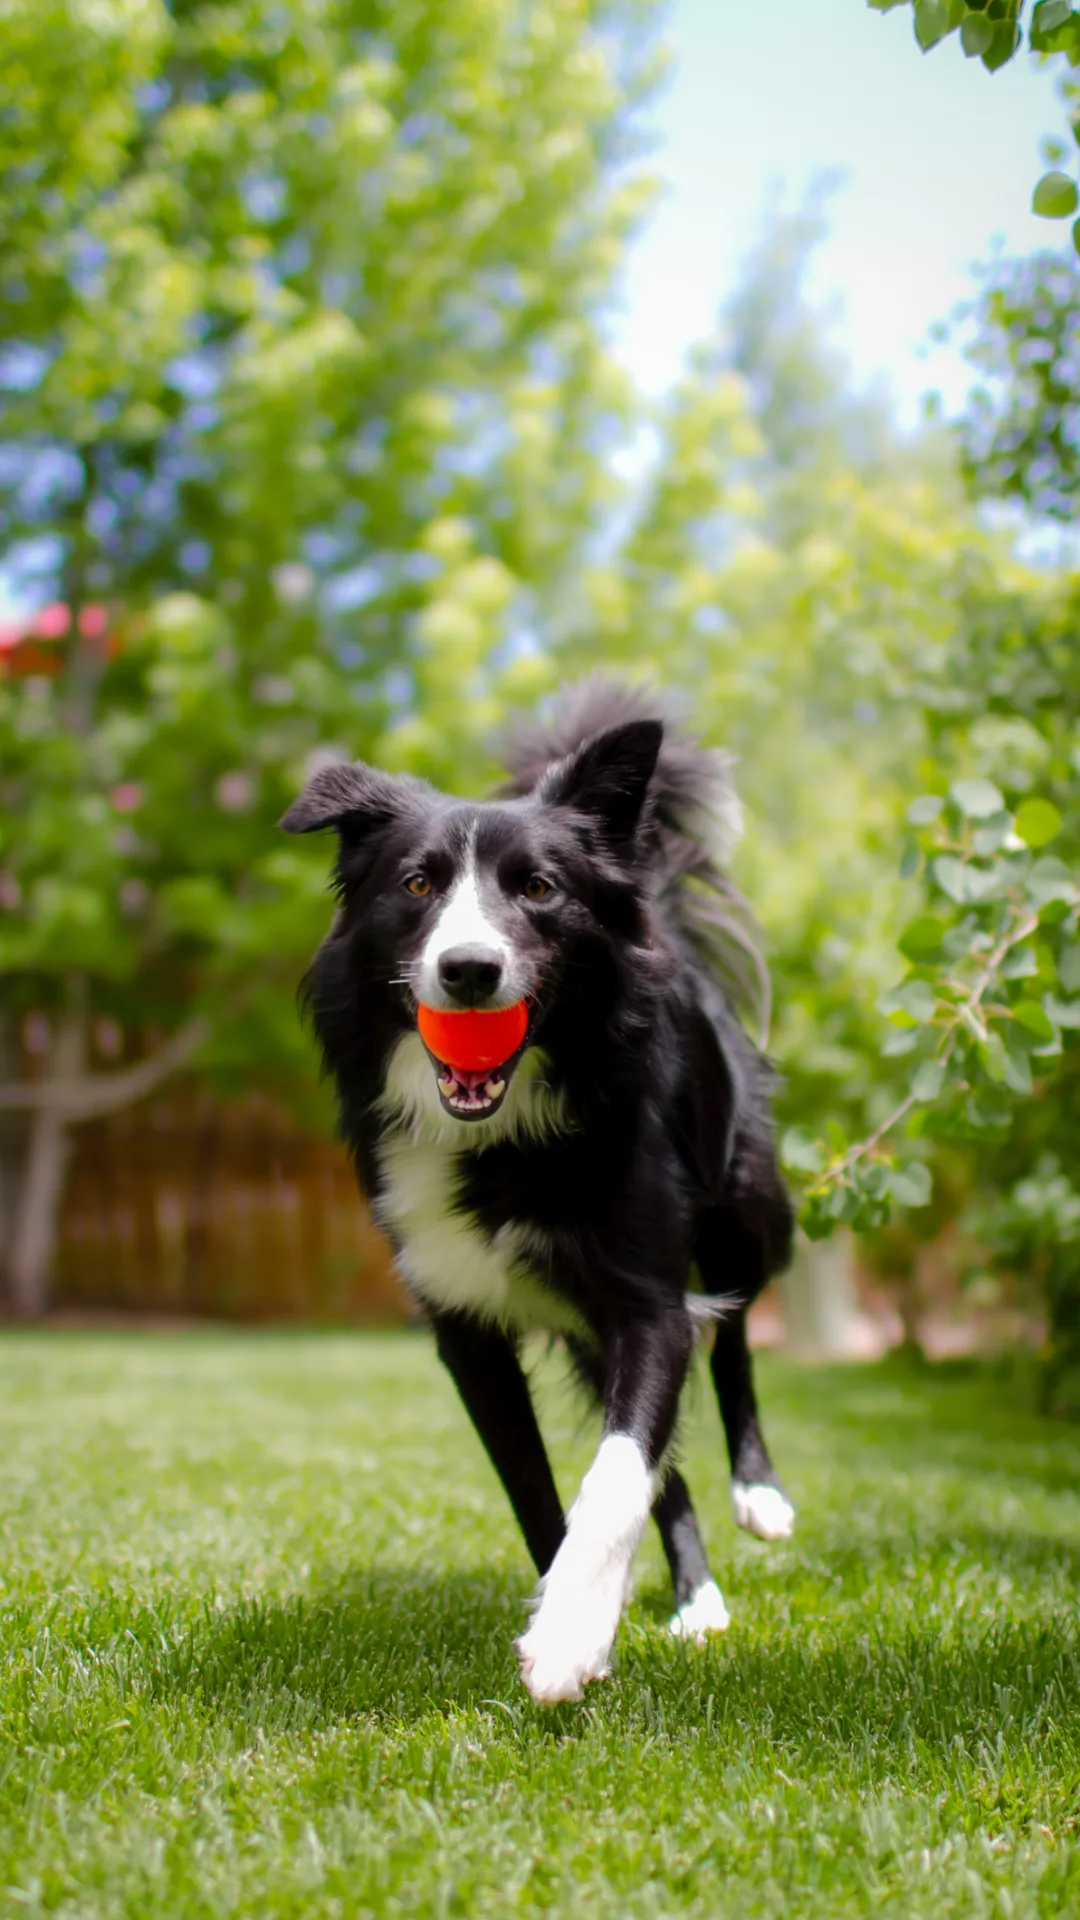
(471, 1039)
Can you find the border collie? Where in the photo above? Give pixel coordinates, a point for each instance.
(625, 1147)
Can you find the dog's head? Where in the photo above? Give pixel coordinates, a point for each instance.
(451, 904)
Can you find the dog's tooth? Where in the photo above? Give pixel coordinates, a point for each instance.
(495, 1087)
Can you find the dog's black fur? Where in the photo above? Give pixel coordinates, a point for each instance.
(639, 1150)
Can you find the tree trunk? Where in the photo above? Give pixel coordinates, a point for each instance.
(907, 1293)
(37, 1203)
(9, 1128)
(819, 1302)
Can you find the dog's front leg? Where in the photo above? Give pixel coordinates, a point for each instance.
(581, 1599)
(486, 1370)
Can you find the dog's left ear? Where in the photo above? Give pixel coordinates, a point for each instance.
(355, 799)
(608, 777)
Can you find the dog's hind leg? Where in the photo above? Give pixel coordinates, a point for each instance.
(760, 1503)
(731, 1261)
(487, 1373)
(699, 1603)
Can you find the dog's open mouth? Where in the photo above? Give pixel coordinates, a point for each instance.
(491, 1040)
(473, 1095)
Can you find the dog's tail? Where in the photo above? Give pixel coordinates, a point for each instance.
(694, 821)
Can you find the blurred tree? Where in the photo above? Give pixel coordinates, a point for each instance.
(302, 391)
(1020, 429)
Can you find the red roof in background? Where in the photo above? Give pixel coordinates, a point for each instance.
(53, 623)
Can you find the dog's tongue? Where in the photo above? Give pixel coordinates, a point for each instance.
(467, 1077)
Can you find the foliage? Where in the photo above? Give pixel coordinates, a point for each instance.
(1032, 1228)
(994, 968)
(992, 31)
(261, 1665)
(302, 387)
(1020, 430)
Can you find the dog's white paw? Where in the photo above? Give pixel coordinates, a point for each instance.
(702, 1614)
(762, 1510)
(560, 1655)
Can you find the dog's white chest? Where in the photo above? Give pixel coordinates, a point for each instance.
(446, 1256)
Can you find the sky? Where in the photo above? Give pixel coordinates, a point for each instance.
(939, 157)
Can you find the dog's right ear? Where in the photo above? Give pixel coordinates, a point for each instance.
(354, 798)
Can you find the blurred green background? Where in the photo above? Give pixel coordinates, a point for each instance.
(316, 441)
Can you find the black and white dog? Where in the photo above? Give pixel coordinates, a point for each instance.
(625, 1144)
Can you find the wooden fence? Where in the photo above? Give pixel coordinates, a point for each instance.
(183, 1205)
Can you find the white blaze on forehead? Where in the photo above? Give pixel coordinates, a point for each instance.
(463, 922)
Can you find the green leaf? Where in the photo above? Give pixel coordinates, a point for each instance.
(815, 1219)
(1007, 37)
(1038, 822)
(1050, 880)
(921, 938)
(926, 808)
(1068, 967)
(912, 1004)
(801, 1152)
(1055, 196)
(992, 835)
(911, 1185)
(1066, 1013)
(928, 1081)
(952, 877)
(898, 1042)
(1034, 1019)
(1076, 236)
(976, 799)
(1054, 27)
(976, 35)
(987, 1109)
(1048, 15)
(874, 1180)
(1018, 1071)
(910, 860)
(966, 937)
(932, 22)
(1020, 964)
(993, 1058)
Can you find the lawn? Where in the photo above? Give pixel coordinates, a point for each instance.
(257, 1594)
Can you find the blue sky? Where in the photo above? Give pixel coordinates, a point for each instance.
(940, 158)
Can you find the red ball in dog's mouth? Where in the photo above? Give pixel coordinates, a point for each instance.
(471, 1046)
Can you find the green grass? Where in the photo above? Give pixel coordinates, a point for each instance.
(257, 1595)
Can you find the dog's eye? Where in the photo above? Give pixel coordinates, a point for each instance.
(419, 885)
(536, 887)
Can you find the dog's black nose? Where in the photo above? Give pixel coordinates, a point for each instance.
(470, 975)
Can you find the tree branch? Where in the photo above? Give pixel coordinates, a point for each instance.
(1020, 929)
(101, 1093)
